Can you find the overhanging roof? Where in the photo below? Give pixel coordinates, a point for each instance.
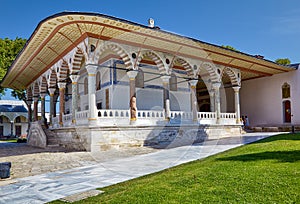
(57, 35)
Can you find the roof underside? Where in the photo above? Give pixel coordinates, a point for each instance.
(59, 34)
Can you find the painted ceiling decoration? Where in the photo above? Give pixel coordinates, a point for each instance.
(57, 35)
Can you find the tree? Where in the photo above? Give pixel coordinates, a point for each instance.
(283, 61)
(229, 47)
(9, 49)
(21, 95)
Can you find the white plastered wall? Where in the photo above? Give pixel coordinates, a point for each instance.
(261, 99)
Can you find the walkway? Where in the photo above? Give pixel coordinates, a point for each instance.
(55, 185)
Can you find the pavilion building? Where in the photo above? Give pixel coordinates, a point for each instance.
(119, 83)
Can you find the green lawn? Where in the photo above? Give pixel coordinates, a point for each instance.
(9, 140)
(267, 171)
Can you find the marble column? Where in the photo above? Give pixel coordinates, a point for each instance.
(35, 108)
(166, 96)
(194, 102)
(51, 92)
(43, 112)
(216, 87)
(236, 90)
(74, 79)
(132, 96)
(92, 69)
(212, 100)
(62, 87)
(29, 102)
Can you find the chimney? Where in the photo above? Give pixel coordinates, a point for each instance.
(151, 23)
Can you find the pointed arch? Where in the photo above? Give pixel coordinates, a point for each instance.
(233, 75)
(214, 72)
(186, 65)
(156, 58)
(78, 59)
(117, 49)
(43, 85)
(52, 79)
(29, 93)
(63, 71)
(36, 89)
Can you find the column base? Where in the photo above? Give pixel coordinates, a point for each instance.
(92, 121)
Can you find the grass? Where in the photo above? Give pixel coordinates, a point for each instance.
(267, 171)
(9, 140)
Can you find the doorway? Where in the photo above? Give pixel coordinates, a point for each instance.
(18, 130)
(287, 114)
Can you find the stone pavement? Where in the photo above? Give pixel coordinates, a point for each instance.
(55, 185)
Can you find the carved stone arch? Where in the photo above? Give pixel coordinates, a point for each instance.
(52, 81)
(36, 89)
(63, 71)
(214, 72)
(156, 58)
(120, 51)
(185, 64)
(233, 75)
(29, 93)
(43, 85)
(77, 61)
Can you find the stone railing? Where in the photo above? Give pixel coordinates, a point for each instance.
(102, 113)
(228, 118)
(55, 122)
(67, 120)
(207, 118)
(82, 117)
(108, 117)
(150, 114)
(228, 115)
(181, 115)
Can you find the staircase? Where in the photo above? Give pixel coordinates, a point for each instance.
(41, 136)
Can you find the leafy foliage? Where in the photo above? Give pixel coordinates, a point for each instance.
(283, 61)
(9, 49)
(229, 47)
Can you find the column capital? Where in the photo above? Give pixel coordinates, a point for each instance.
(35, 98)
(61, 85)
(211, 92)
(29, 101)
(91, 69)
(193, 82)
(51, 91)
(165, 78)
(216, 85)
(236, 88)
(132, 74)
(43, 95)
(74, 78)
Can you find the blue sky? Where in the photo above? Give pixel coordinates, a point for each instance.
(267, 27)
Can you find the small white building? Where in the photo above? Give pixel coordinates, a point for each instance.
(13, 118)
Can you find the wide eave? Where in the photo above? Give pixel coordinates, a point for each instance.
(57, 35)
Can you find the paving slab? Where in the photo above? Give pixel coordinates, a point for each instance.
(60, 184)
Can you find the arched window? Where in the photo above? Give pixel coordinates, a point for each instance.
(85, 86)
(139, 80)
(98, 81)
(18, 119)
(286, 90)
(173, 82)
